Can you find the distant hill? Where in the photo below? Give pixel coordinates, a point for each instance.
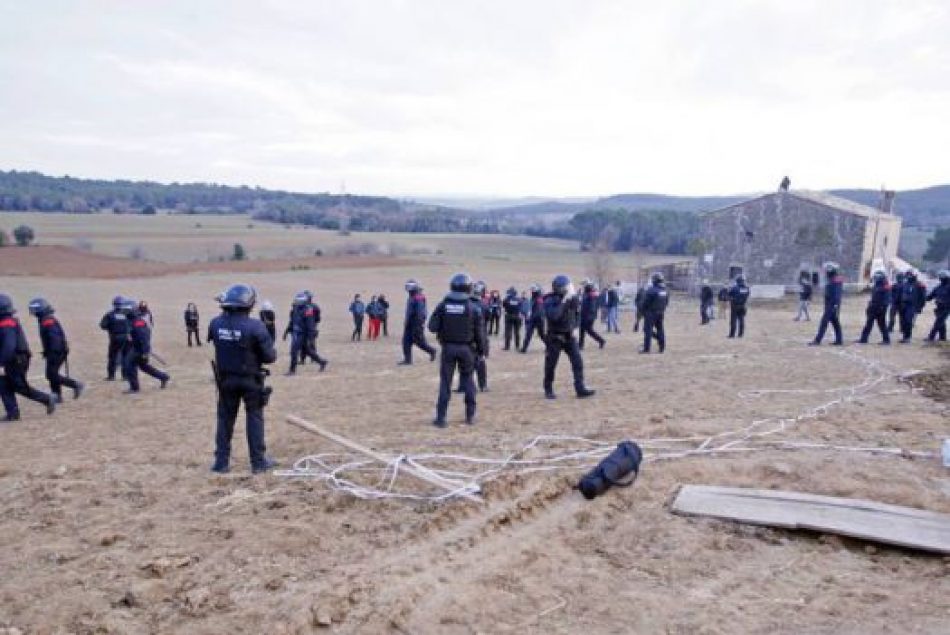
(928, 207)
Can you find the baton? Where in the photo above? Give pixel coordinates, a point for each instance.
(158, 358)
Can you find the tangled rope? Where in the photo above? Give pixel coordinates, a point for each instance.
(566, 452)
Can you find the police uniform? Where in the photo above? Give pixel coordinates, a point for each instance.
(561, 313)
(513, 318)
(738, 301)
(834, 291)
(458, 324)
(535, 319)
(895, 307)
(876, 311)
(413, 333)
(941, 297)
(589, 316)
(241, 346)
(913, 298)
(269, 319)
(137, 356)
(480, 303)
(55, 349)
(303, 326)
(116, 324)
(655, 300)
(15, 362)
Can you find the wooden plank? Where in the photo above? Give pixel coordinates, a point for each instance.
(867, 520)
(432, 479)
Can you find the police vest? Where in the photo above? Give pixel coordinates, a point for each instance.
(458, 322)
(233, 346)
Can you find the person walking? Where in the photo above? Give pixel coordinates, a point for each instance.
(414, 326)
(877, 308)
(15, 363)
(561, 309)
(638, 307)
(589, 304)
(805, 291)
(372, 313)
(139, 354)
(116, 324)
(613, 308)
(535, 316)
(941, 298)
(655, 301)
(269, 318)
(834, 291)
(55, 349)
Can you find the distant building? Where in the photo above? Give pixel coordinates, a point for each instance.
(774, 238)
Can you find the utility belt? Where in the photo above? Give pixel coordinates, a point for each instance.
(259, 377)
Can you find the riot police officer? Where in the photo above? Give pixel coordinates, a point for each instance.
(913, 298)
(877, 308)
(589, 304)
(304, 319)
(561, 309)
(941, 297)
(414, 333)
(55, 349)
(535, 316)
(269, 318)
(834, 290)
(116, 324)
(242, 345)
(140, 349)
(895, 307)
(655, 300)
(458, 324)
(511, 305)
(15, 362)
(738, 305)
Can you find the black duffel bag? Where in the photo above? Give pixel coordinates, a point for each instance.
(619, 468)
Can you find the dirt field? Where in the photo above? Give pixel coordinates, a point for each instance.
(111, 522)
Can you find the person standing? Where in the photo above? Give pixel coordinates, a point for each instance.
(877, 308)
(723, 298)
(358, 311)
(638, 307)
(494, 313)
(512, 308)
(655, 301)
(895, 307)
(242, 346)
(372, 312)
(589, 304)
(55, 349)
(706, 300)
(738, 305)
(413, 333)
(805, 291)
(561, 309)
(535, 317)
(941, 298)
(15, 363)
(913, 298)
(457, 325)
(146, 314)
(191, 323)
(613, 308)
(383, 313)
(137, 357)
(116, 324)
(269, 319)
(834, 291)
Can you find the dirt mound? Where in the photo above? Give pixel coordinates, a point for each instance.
(65, 262)
(935, 384)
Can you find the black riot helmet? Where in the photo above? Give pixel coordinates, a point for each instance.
(535, 289)
(6, 306)
(560, 284)
(512, 291)
(239, 297)
(879, 276)
(40, 307)
(117, 302)
(740, 279)
(831, 268)
(944, 275)
(462, 283)
(412, 286)
(657, 277)
(478, 289)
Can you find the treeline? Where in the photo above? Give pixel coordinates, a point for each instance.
(659, 231)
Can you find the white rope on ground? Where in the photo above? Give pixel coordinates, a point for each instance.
(584, 453)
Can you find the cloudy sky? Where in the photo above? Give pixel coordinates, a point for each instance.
(507, 98)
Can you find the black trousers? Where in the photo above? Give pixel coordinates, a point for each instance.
(193, 331)
(880, 318)
(454, 356)
(705, 308)
(512, 327)
(304, 346)
(494, 322)
(653, 329)
(737, 321)
(555, 345)
(939, 330)
(533, 325)
(414, 337)
(357, 328)
(636, 322)
(272, 330)
(134, 362)
(385, 322)
(907, 316)
(55, 361)
(587, 328)
(13, 382)
(115, 358)
(892, 317)
(829, 316)
(234, 390)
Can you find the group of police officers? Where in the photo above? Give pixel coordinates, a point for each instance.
(244, 345)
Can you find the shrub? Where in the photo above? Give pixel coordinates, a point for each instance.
(4, 239)
(239, 253)
(24, 235)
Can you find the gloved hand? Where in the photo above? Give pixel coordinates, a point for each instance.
(144, 358)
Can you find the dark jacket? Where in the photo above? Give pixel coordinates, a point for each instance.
(738, 296)
(706, 294)
(416, 312)
(141, 335)
(14, 349)
(561, 313)
(940, 295)
(241, 344)
(834, 290)
(117, 324)
(191, 318)
(458, 320)
(655, 300)
(53, 337)
(512, 307)
(804, 294)
(880, 298)
(589, 306)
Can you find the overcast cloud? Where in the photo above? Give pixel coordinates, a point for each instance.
(502, 98)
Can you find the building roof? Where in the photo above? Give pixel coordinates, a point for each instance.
(821, 198)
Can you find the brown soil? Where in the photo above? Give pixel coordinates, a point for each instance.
(67, 262)
(111, 523)
(934, 384)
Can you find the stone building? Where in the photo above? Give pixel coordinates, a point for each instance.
(773, 238)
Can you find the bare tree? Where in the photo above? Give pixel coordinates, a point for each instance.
(601, 256)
